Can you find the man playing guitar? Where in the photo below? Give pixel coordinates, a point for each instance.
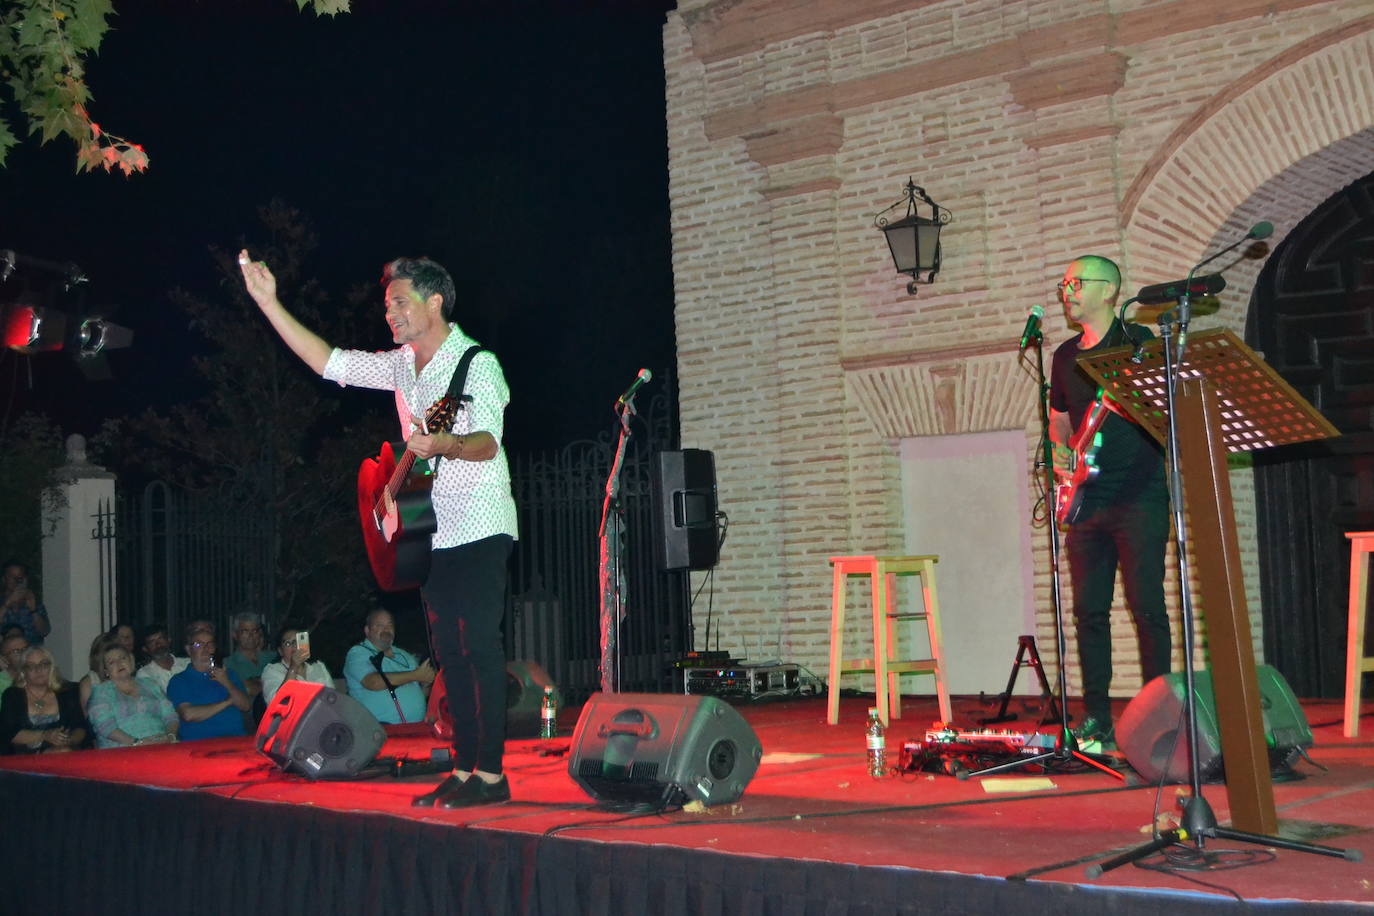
(1123, 517)
(464, 593)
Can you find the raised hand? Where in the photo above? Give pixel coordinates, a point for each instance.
(259, 281)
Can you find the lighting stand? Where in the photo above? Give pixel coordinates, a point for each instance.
(1066, 748)
(1198, 822)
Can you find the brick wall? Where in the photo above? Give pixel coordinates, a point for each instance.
(1148, 131)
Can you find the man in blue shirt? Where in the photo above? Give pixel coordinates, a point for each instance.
(385, 678)
(209, 700)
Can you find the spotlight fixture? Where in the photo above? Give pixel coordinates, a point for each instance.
(33, 329)
(97, 334)
(914, 240)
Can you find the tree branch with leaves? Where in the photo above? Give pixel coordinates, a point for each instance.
(44, 45)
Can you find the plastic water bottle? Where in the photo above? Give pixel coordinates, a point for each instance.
(548, 715)
(877, 745)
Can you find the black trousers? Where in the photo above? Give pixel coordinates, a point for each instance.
(465, 599)
(1131, 535)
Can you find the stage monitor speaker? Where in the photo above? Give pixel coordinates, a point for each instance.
(318, 732)
(1152, 732)
(684, 506)
(525, 683)
(649, 751)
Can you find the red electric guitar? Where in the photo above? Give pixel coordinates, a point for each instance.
(398, 541)
(1070, 492)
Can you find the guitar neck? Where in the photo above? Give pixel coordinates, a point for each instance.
(398, 476)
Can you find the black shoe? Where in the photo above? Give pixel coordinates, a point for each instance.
(476, 791)
(429, 798)
(1095, 735)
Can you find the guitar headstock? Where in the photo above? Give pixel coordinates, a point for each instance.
(441, 414)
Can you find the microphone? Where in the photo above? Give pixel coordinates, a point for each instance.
(644, 376)
(1172, 291)
(1261, 230)
(1032, 329)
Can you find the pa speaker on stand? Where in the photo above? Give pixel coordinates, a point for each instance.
(684, 507)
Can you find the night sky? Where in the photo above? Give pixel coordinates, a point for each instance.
(520, 144)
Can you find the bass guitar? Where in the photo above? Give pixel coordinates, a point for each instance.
(1083, 470)
(395, 509)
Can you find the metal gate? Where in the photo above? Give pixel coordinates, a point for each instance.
(554, 617)
(184, 556)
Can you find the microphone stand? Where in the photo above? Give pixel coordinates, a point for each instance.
(1066, 750)
(612, 572)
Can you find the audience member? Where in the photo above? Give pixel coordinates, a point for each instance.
(41, 713)
(97, 664)
(249, 656)
(126, 710)
(12, 649)
(295, 664)
(385, 678)
(162, 664)
(22, 608)
(123, 634)
(209, 699)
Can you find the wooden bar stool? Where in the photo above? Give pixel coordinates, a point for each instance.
(1356, 662)
(885, 664)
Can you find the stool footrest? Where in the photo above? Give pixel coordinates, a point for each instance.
(906, 666)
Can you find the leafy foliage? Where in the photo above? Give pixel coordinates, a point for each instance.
(266, 438)
(43, 48)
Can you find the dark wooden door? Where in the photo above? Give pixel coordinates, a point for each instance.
(1312, 316)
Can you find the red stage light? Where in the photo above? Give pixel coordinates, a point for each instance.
(31, 330)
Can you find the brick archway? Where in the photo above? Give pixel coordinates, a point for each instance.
(1305, 116)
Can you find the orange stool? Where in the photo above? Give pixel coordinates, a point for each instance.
(1356, 662)
(887, 668)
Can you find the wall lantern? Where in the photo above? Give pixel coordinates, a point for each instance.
(914, 239)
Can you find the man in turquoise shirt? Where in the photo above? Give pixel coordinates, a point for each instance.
(385, 678)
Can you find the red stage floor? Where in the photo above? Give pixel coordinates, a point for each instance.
(812, 800)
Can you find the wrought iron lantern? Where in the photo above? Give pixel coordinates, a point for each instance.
(914, 239)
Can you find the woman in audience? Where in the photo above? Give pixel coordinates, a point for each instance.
(123, 634)
(41, 713)
(126, 710)
(97, 664)
(294, 665)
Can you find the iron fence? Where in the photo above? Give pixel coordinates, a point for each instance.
(184, 556)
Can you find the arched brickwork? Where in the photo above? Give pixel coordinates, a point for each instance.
(1304, 114)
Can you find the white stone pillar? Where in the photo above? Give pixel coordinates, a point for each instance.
(72, 573)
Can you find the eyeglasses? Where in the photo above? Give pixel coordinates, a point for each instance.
(202, 645)
(250, 629)
(1076, 283)
(37, 666)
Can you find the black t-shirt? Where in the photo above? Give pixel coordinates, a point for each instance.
(1130, 462)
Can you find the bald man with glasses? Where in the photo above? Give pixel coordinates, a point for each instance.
(1124, 519)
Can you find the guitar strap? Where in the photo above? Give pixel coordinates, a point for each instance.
(459, 380)
(460, 375)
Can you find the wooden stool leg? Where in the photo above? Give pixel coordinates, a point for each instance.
(836, 644)
(937, 650)
(894, 678)
(878, 576)
(1354, 650)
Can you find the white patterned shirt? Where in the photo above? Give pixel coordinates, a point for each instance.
(159, 676)
(472, 499)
